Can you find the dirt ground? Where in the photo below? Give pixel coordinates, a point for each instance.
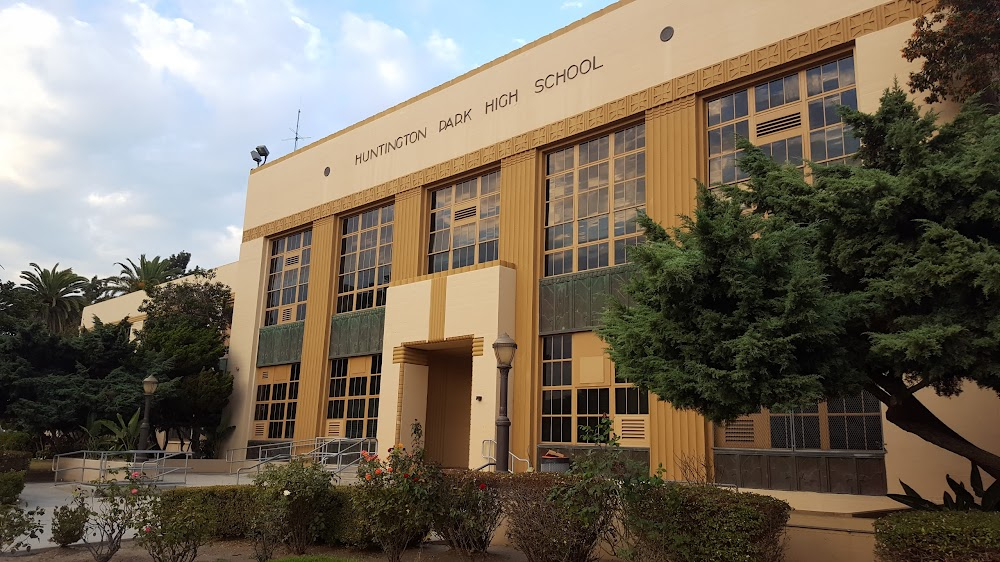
(241, 551)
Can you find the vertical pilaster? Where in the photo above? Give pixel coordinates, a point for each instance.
(409, 249)
(309, 419)
(674, 147)
(520, 244)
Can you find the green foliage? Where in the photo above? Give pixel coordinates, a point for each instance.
(268, 526)
(345, 520)
(879, 277)
(69, 522)
(14, 460)
(147, 273)
(58, 295)
(396, 496)
(956, 46)
(467, 511)
(17, 526)
(124, 434)
(301, 490)
(173, 532)
(545, 525)
(229, 507)
(916, 536)
(17, 307)
(15, 441)
(119, 507)
(694, 523)
(963, 500)
(11, 486)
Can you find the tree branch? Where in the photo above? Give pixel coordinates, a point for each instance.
(919, 386)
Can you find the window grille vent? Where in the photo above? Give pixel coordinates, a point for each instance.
(258, 429)
(779, 124)
(292, 260)
(466, 213)
(333, 429)
(264, 375)
(633, 428)
(739, 431)
(286, 315)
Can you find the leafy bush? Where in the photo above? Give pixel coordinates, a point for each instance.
(227, 507)
(546, 524)
(302, 490)
(692, 523)
(69, 522)
(14, 460)
(120, 506)
(173, 532)
(11, 486)
(17, 526)
(916, 536)
(15, 441)
(345, 523)
(963, 500)
(467, 511)
(395, 497)
(268, 525)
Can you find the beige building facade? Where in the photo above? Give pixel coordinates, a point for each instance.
(379, 264)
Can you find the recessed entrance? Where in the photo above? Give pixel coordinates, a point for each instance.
(449, 395)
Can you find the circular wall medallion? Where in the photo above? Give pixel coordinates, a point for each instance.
(326, 172)
(666, 34)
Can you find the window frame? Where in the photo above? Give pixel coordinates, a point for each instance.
(278, 280)
(485, 239)
(374, 296)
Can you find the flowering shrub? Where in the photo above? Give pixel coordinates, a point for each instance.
(16, 526)
(301, 490)
(172, 532)
(69, 522)
(119, 506)
(396, 496)
(267, 526)
(467, 511)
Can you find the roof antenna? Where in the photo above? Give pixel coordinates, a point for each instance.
(295, 131)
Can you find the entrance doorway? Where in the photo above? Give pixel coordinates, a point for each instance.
(449, 396)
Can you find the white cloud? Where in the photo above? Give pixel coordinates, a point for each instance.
(386, 48)
(568, 5)
(443, 48)
(518, 41)
(314, 44)
(172, 45)
(108, 200)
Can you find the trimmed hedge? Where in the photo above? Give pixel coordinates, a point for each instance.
(15, 441)
(939, 536)
(11, 486)
(691, 523)
(14, 460)
(230, 506)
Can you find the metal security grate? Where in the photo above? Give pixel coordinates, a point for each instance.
(779, 124)
(286, 315)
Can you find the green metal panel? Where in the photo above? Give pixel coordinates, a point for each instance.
(574, 303)
(357, 333)
(280, 345)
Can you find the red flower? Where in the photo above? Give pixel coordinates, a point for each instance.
(482, 486)
(378, 471)
(405, 475)
(389, 469)
(368, 476)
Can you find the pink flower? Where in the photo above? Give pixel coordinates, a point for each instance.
(148, 528)
(135, 491)
(135, 474)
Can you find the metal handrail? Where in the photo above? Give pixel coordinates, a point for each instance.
(260, 464)
(145, 462)
(354, 446)
(269, 450)
(488, 451)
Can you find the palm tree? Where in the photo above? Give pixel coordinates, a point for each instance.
(58, 293)
(145, 274)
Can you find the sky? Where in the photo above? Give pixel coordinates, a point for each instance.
(126, 125)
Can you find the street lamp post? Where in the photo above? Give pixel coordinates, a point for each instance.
(504, 349)
(148, 388)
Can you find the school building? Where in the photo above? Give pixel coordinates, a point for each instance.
(379, 264)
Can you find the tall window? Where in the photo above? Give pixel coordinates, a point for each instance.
(465, 224)
(593, 193)
(276, 404)
(791, 118)
(566, 406)
(354, 396)
(365, 259)
(288, 279)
